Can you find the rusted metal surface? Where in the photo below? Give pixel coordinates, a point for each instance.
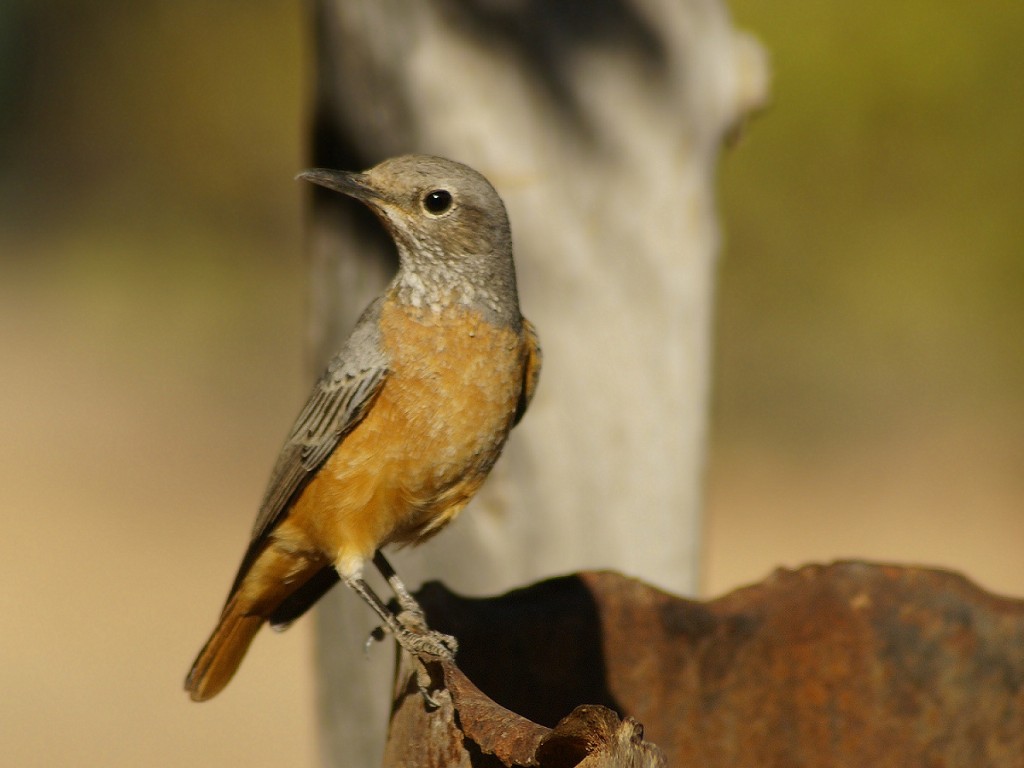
(592, 736)
(420, 734)
(461, 727)
(851, 664)
(508, 736)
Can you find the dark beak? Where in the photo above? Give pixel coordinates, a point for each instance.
(351, 184)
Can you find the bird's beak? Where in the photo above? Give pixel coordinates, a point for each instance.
(351, 184)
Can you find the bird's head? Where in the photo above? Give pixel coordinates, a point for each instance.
(435, 209)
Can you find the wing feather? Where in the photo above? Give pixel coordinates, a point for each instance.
(339, 401)
(531, 371)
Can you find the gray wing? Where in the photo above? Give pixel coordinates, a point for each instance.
(531, 371)
(339, 401)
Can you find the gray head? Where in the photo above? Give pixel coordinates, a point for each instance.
(450, 227)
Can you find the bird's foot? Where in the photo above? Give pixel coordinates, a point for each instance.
(427, 642)
(413, 621)
(417, 639)
(413, 634)
(430, 642)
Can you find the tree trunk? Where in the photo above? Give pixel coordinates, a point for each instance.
(600, 123)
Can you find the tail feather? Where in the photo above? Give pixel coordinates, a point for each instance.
(223, 652)
(272, 573)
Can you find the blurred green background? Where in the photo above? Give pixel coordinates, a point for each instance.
(869, 390)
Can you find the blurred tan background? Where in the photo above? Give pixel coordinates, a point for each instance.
(869, 396)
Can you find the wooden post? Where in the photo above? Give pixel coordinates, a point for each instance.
(600, 123)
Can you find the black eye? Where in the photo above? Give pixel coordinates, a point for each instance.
(437, 201)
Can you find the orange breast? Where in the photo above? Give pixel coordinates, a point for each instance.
(434, 432)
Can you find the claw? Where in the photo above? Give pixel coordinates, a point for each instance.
(429, 642)
(424, 682)
(376, 635)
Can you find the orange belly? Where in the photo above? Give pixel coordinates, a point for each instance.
(425, 447)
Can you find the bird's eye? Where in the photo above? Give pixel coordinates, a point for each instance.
(437, 201)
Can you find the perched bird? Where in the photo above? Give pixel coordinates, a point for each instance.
(404, 425)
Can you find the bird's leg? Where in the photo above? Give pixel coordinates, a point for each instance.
(415, 640)
(407, 602)
(412, 615)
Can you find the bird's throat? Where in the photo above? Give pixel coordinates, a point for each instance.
(437, 285)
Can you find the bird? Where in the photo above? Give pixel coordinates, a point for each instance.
(404, 424)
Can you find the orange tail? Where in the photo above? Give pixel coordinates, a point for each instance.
(223, 652)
